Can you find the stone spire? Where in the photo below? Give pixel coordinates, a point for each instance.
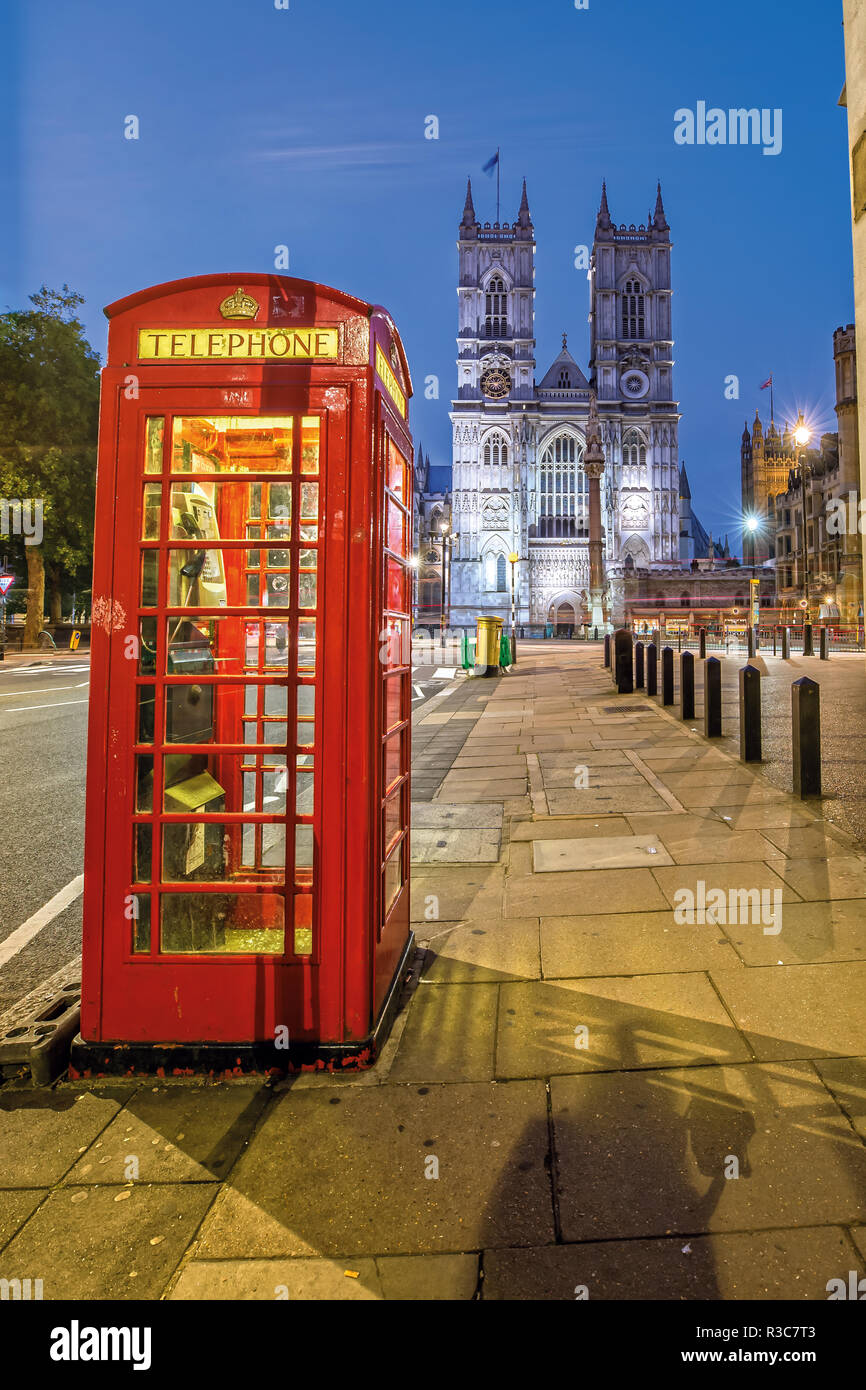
(523, 217)
(603, 219)
(469, 218)
(659, 220)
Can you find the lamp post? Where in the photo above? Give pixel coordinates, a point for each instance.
(802, 435)
(513, 559)
(448, 539)
(753, 526)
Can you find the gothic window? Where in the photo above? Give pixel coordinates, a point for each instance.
(563, 507)
(500, 573)
(564, 379)
(495, 308)
(495, 449)
(633, 313)
(633, 459)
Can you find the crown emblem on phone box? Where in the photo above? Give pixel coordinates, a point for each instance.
(239, 305)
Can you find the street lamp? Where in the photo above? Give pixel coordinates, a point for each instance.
(513, 559)
(414, 563)
(448, 539)
(753, 526)
(802, 435)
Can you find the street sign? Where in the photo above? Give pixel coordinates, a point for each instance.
(6, 582)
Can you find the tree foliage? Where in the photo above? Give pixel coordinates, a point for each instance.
(49, 412)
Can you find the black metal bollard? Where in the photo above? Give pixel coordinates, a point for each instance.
(713, 698)
(703, 641)
(652, 657)
(751, 641)
(687, 685)
(607, 649)
(624, 672)
(823, 648)
(667, 676)
(806, 736)
(786, 644)
(775, 630)
(638, 665)
(750, 714)
(808, 649)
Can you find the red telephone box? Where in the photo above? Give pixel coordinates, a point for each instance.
(247, 851)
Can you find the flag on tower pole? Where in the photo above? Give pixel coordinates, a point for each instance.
(764, 385)
(493, 163)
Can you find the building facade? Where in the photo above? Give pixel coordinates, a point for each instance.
(518, 481)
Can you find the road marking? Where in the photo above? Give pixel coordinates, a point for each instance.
(43, 690)
(420, 695)
(18, 939)
(23, 709)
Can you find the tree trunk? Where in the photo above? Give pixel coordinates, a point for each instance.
(35, 596)
(55, 597)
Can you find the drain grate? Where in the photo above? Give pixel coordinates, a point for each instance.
(626, 709)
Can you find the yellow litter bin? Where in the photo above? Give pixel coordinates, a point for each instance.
(487, 643)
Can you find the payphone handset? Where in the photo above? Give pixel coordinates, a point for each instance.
(193, 517)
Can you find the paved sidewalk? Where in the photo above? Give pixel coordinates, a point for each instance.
(581, 1092)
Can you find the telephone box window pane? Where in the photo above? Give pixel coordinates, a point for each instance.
(396, 528)
(141, 924)
(147, 646)
(196, 579)
(227, 508)
(392, 819)
(304, 793)
(309, 501)
(221, 851)
(149, 578)
(394, 689)
(306, 701)
(141, 868)
(146, 707)
(303, 934)
(194, 783)
(303, 847)
(396, 649)
(150, 511)
(306, 591)
(212, 924)
(396, 478)
(393, 759)
(155, 434)
(276, 700)
(144, 782)
(310, 427)
(268, 590)
(393, 878)
(232, 444)
(307, 645)
(279, 501)
(306, 733)
(308, 559)
(395, 585)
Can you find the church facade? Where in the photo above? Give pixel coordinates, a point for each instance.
(518, 481)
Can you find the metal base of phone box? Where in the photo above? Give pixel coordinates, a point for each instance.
(91, 1060)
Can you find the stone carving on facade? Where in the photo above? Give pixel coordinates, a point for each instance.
(496, 514)
(634, 514)
(560, 569)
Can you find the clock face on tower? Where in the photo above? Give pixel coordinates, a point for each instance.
(495, 384)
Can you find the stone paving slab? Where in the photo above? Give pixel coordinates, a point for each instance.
(845, 1078)
(645, 1153)
(427, 1278)
(450, 1034)
(629, 943)
(480, 951)
(455, 846)
(107, 1242)
(583, 891)
(748, 875)
(840, 876)
(811, 932)
(174, 1134)
(775, 813)
(604, 800)
(472, 817)
(566, 827)
(357, 1182)
(15, 1208)
(451, 893)
(641, 1021)
(767, 1265)
(610, 852)
(795, 1011)
(42, 1133)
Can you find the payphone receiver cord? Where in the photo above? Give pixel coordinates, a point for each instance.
(184, 604)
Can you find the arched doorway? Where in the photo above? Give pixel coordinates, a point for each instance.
(563, 618)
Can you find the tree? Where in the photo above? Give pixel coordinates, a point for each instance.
(49, 413)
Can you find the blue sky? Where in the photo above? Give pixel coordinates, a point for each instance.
(305, 127)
